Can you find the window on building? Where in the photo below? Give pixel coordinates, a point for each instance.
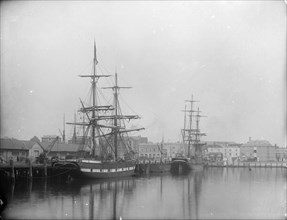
(15, 153)
(36, 153)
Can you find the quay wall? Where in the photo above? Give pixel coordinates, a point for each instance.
(248, 164)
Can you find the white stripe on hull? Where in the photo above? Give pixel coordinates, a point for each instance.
(102, 175)
(86, 170)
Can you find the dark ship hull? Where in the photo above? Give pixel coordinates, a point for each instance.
(180, 165)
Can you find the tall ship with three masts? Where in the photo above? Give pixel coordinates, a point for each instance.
(105, 131)
(191, 141)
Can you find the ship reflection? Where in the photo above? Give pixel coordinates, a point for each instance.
(192, 191)
(106, 199)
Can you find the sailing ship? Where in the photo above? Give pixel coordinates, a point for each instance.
(191, 138)
(105, 128)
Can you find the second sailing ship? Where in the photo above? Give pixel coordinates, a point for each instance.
(191, 142)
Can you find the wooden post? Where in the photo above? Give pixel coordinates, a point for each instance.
(30, 170)
(138, 167)
(12, 170)
(45, 167)
(148, 167)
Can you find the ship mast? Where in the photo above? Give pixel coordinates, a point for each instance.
(94, 87)
(93, 116)
(116, 129)
(116, 90)
(197, 135)
(189, 130)
(93, 121)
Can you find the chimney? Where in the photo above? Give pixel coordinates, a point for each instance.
(249, 138)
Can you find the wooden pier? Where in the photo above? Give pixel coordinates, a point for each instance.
(19, 171)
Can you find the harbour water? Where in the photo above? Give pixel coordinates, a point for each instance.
(214, 193)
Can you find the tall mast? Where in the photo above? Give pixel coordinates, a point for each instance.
(94, 108)
(64, 135)
(184, 126)
(197, 134)
(116, 88)
(95, 62)
(189, 140)
(75, 130)
(83, 138)
(116, 130)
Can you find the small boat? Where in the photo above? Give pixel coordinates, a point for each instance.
(162, 166)
(104, 132)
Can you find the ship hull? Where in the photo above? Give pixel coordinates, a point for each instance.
(180, 166)
(93, 169)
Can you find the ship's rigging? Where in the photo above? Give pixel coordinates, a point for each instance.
(191, 132)
(104, 124)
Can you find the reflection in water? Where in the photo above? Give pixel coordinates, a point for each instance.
(214, 193)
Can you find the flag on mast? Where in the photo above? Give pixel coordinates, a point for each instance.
(95, 53)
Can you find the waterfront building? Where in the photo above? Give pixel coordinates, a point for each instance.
(214, 157)
(214, 148)
(173, 149)
(230, 151)
(64, 150)
(19, 150)
(135, 141)
(79, 140)
(152, 151)
(260, 150)
(281, 154)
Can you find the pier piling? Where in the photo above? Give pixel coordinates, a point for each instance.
(30, 170)
(12, 170)
(45, 168)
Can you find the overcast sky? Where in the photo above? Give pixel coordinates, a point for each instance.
(230, 55)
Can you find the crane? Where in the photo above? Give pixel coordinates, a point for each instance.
(46, 151)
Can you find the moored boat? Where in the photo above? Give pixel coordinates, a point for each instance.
(105, 130)
(180, 164)
(163, 165)
(191, 138)
(104, 169)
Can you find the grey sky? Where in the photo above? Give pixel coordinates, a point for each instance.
(230, 55)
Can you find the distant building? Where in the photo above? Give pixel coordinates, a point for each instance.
(173, 149)
(230, 151)
(149, 151)
(281, 154)
(262, 150)
(49, 138)
(135, 141)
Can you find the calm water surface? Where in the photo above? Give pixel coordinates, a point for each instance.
(215, 193)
